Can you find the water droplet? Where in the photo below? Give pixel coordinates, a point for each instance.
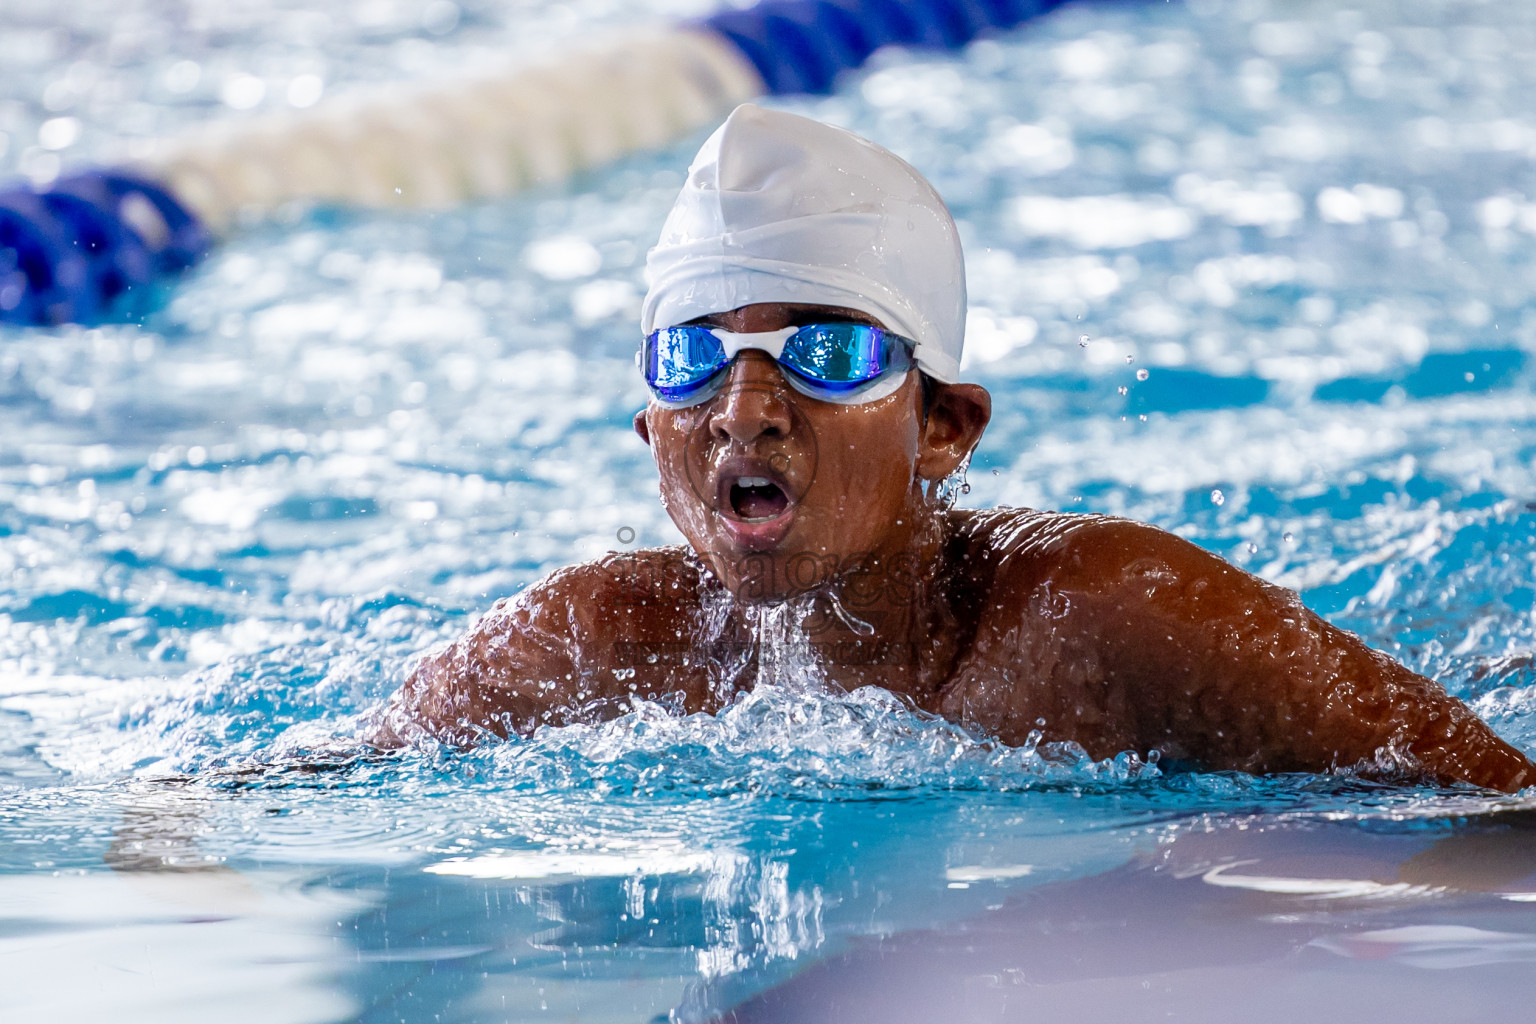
(1288, 538)
(1217, 498)
(1083, 341)
(1253, 548)
(1124, 390)
(1142, 374)
(1142, 417)
(1129, 360)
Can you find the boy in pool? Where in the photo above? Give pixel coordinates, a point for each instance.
(802, 345)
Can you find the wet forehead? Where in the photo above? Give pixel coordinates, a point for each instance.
(772, 316)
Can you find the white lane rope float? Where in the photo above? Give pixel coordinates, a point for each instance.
(90, 246)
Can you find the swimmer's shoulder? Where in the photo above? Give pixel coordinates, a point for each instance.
(1024, 546)
(529, 658)
(599, 595)
(1022, 537)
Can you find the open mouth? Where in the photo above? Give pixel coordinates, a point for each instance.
(756, 498)
(756, 503)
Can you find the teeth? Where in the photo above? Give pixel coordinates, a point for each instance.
(753, 481)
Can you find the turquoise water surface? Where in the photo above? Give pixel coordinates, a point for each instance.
(1259, 272)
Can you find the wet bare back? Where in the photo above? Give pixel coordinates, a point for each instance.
(1104, 632)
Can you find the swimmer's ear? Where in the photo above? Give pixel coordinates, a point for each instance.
(642, 428)
(957, 415)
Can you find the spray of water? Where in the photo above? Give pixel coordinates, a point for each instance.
(751, 644)
(944, 493)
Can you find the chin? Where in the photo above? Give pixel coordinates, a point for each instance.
(794, 566)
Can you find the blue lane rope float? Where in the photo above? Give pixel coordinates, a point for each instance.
(72, 252)
(801, 46)
(80, 249)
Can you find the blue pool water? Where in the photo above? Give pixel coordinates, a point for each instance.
(1260, 273)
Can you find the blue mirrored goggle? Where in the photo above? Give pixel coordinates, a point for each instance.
(843, 363)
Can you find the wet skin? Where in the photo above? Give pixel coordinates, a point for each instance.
(1099, 631)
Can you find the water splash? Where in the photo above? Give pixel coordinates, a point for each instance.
(786, 658)
(944, 493)
(752, 644)
(797, 740)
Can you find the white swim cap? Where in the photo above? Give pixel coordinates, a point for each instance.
(781, 208)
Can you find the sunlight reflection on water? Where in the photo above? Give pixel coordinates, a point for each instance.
(1276, 252)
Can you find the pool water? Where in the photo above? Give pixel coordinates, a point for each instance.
(1260, 273)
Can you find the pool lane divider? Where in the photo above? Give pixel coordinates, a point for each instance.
(74, 251)
(81, 249)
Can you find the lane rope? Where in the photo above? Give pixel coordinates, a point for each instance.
(93, 245)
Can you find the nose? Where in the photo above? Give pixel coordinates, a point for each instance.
(753, 403)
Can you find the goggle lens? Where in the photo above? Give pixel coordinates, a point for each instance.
(679, 361)
(832, 362)
(840, 357)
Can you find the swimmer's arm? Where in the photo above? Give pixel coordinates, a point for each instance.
(1235, 671)
(518, 668)
(561, 652)
(498, 679)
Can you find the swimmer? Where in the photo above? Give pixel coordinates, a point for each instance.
(802, 338)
